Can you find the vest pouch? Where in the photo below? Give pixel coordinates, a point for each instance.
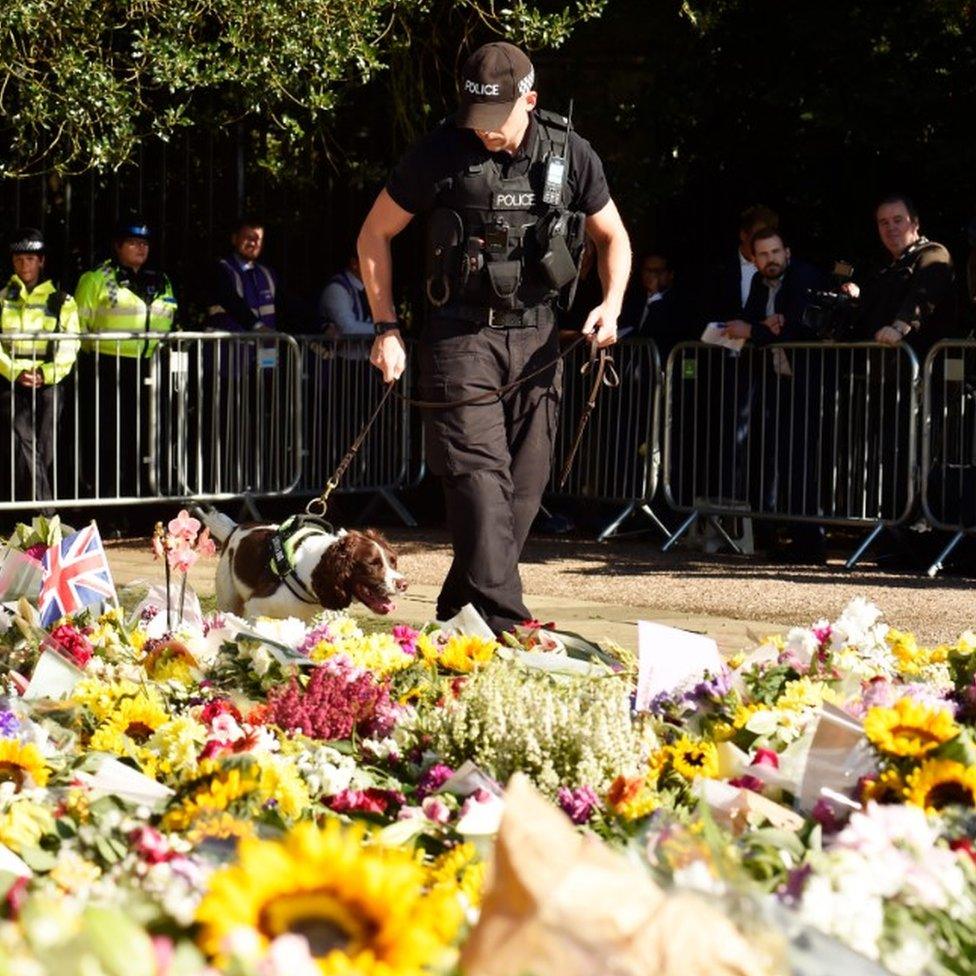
(558, 263)
(504, 277)
(445, 265)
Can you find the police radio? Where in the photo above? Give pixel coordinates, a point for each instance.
(552, 191)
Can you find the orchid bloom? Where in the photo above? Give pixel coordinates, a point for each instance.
(205, 545)
(182, 557)
(184, 526)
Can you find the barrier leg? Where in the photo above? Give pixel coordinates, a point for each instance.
(864, 546)
(653, 516)
(714, 519)
(615, 523)
(936, 567)
(401, 510)
(680, 531)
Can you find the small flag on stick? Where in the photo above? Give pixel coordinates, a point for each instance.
(75, 575)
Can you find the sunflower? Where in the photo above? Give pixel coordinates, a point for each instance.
(939, 783)
(693, 759)
(22, 765)
(909, 728)
(363, 909)
(632, 798)
(129, 728)
(461, 652)
(889, 787)
(462, 869)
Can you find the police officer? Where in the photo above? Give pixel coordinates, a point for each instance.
(32, 399)
(509, 193)
(123, 294)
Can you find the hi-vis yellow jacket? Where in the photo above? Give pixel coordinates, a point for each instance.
(43, 310)
(108, 303)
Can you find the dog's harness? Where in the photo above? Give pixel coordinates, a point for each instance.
(284, 544)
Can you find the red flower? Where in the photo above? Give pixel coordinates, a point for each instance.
(219, 706)
(965, 846)
(765, 757)
(74, 643)
(16, 897)
(371, 800)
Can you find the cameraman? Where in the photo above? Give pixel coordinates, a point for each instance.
(913, 298)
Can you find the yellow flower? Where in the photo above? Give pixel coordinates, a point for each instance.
(804, 694)
(887, 788)
(909, 728)
(722, 731)
(940, 783)
(100, 697)
(221, 826)
(246, 786)
(128, 730)
(24, 823)
(632, 798)
(73, 873)
(379, 653)
(22, 764)
(461, 652)
(694, 759)
(736, 661)
(745, 712)
(364, 909)
(910, 657)
(460, 869)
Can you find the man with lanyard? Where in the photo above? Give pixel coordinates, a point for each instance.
(244, 290)
(123, 295)
(31, 403)
(509, 192)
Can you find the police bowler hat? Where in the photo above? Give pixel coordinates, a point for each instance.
(493, 79)
(27, 240)
(131, 226)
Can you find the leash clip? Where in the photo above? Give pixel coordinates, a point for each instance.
(319, 506)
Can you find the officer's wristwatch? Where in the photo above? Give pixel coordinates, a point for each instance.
(381, 328)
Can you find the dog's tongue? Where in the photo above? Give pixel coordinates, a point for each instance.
(386, 606)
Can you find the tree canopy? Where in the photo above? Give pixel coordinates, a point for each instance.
(84, 81)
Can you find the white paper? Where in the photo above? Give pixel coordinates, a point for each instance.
(20, 575)
(714, 335)
(669, 659)
(12, 863)
(283, 654)
(156, 597)
(118, 779)
(467, 622)
(53, 677)
(839, 756)
(558, 664)
(467, 779)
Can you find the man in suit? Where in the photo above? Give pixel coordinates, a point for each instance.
(778, 294)
(727, 288)
(653, 309)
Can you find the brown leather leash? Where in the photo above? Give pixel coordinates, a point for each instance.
(605, 375)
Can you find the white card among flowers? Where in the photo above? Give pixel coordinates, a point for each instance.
(669, 659)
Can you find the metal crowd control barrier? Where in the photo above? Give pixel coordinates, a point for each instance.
(804, 432)
(207, 415)
(619, 457)
(340, 389)
(949, 442)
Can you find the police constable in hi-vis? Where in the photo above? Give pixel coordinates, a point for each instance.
(31, 400)
(122, 294)
(509, 193)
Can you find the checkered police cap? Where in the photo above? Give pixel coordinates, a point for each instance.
(27, 240)
(492, 80)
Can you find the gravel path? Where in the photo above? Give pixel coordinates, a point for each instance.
(637, 574)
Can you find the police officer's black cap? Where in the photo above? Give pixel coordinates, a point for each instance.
(493, 79)
(131, 226)
(27, 240)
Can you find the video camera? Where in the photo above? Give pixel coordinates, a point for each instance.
(833, 315)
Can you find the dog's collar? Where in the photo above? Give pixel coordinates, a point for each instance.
(284, 544)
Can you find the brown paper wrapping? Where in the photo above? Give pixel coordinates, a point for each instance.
(560, 903)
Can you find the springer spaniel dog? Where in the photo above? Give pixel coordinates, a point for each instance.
(330, 571)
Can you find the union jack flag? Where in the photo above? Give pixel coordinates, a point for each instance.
(76, 574)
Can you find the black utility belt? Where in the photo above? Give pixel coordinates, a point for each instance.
(537, 317)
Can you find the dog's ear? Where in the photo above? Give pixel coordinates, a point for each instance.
(331, 578)
(379, 539)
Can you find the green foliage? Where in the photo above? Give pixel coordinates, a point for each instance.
(84, 81)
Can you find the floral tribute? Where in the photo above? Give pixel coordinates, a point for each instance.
(195, 801)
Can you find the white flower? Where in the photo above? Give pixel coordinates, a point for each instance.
(259, 657)
(697, 876)
(911, 957)
(289, 955)
(802, 644)
(481, 814)
(290, 631)
(6, 621)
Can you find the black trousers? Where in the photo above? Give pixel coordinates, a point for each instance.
(494, 458)
(30, 415)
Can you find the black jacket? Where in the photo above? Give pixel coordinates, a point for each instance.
(791, 299)
(667, 321)
(918, 288)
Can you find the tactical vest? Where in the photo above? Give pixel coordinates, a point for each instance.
(219, 318)
(39, 312)
(492, 241)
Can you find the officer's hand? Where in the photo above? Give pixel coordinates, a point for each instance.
(389, 355)
(601, 326)
(31, 378)
(888, 336)
(849, 288)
